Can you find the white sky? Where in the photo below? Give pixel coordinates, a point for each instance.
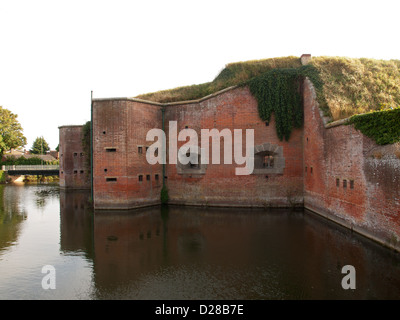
(54, 53)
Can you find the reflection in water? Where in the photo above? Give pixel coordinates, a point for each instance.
(12, 214)
(76, 225)
(180, 252)
(197, 253)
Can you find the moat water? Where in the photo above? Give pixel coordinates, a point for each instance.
(180, 252)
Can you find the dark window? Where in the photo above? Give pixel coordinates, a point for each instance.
(148, 177)
(344, 183)
(337, 182)
(157, 177)
(193, 165)
(75, 171)
(351, 184)
(140, 178)
(75, 154)
(81, 154)
(266, 123)
(111, 150)
(81, 171)
(268, 161)
(311, 170)
(105, 170)
(104, 132)
(140, 150)
(111, 179)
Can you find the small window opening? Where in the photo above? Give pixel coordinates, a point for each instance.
(268, 161)
(156, 177)
(140, 178)
(140, 149)
(351, 184)
(111, 150)
(75, 154)
(148, 177)
(337, 182)
(344, 183)
(111, 179)
(193, 165)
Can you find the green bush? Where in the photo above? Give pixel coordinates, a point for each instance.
(12, 160)
(381, 126)
(164, 195)
(2, 176)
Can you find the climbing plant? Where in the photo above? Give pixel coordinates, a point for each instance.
(278, 91)
(381, 126)
(86, 144)
(164, 195)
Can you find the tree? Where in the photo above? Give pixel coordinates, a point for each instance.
(10, 130)
(40, 146)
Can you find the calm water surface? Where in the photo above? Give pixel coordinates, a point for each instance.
(180, 252)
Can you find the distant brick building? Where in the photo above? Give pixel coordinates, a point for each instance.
(74, 169)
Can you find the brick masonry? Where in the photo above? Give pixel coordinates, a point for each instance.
(330, 169)
(349, 178)
(74, 172)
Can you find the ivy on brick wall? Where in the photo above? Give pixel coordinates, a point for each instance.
(86, 144)
(278, 91)
(381, 126)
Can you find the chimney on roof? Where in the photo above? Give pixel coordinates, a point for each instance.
(305, 59)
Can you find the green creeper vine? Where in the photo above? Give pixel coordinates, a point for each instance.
(381, 126)
(164, 195)
(86, 144)
(278, 91)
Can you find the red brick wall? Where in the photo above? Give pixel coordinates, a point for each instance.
(73, 169)
(122, 124)
(371, 203)
(235, 109)
(126, 123)
(319, 159)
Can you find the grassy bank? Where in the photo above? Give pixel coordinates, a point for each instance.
(350, 86)
(2, 177)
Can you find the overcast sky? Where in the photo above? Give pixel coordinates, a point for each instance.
(54, 53)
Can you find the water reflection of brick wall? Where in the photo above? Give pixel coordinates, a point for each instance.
(256, 254)
(76, 222)
(148, 239)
